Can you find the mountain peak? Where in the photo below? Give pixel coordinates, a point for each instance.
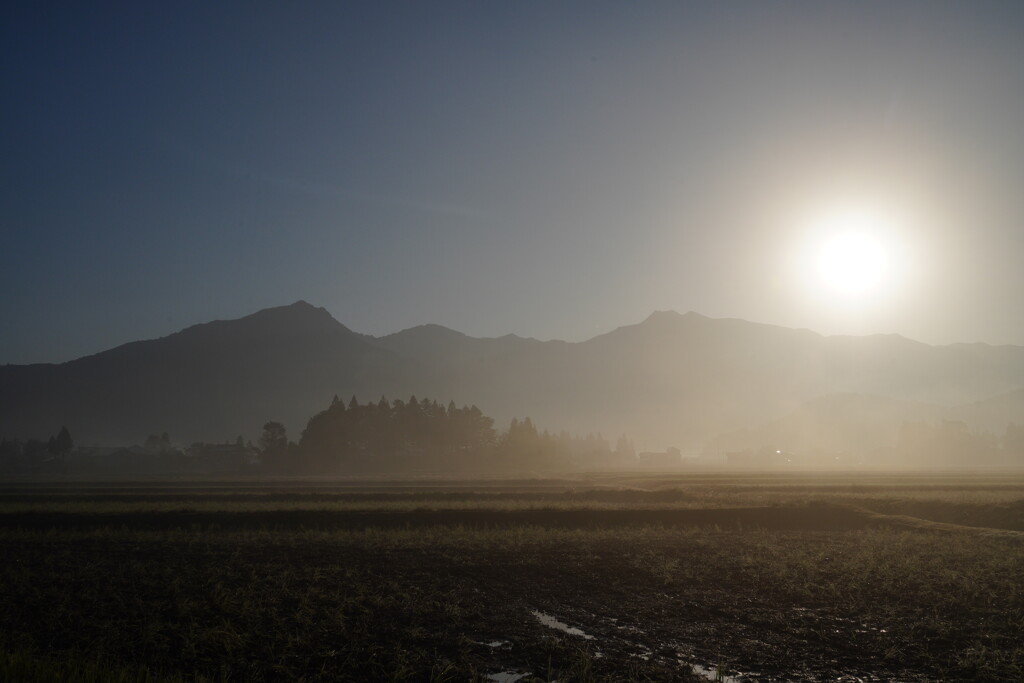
(298, 317)
(672, 316)
(301, 309)
(430, 333)
(670, 319)
(662, 315)
(432, 329)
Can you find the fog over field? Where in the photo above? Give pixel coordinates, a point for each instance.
(511, 341)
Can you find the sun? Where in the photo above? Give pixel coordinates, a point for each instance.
(852, 263)
(851, 257)
(856, 263)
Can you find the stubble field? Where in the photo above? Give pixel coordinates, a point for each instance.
(600, 577)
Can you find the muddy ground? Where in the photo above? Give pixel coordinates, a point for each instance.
(788, 592)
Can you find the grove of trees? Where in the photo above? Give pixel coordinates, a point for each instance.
(15, 453)
(423, 434)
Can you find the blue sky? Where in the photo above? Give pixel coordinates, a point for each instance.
(549, 169)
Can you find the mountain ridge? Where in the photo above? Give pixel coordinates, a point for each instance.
(673, 378)
(653, 317)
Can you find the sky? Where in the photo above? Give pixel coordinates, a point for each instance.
(554, 170)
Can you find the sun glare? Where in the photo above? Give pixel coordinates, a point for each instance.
(849, 257)
(852, 263)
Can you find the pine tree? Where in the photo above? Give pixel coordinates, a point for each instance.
(64, 442)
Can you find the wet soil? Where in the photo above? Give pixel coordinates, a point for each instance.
(804, 592)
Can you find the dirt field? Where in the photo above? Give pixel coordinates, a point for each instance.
(592, 578)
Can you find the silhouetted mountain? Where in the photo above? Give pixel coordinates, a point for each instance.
(671, 379)
(209, 381)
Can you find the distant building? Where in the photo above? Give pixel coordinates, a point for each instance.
(668, 458)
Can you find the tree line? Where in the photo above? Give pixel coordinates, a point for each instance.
(377, 436)
(56, 448)
(423, 434)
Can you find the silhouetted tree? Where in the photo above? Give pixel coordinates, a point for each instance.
(274, 445)
(274, 437)
(158, 444)
(65, 444)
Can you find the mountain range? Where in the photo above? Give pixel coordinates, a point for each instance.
(674, 379)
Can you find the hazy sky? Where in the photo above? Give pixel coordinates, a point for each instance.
(552, 169)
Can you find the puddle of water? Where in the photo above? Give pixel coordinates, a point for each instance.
(711, 673)
(708, 673)
(491, 643)
(643, 652)
(551, 622)
(506, 677)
